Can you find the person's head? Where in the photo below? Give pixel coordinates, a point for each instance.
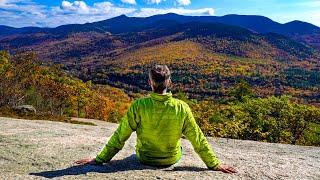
(159, 78)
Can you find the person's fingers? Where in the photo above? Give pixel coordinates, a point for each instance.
(224, 170)
(78, 162)
(232, 170)
(227, 170)
(82, 161)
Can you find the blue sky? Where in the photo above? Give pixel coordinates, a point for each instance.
(20, 13)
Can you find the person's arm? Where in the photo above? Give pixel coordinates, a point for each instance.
(127, 125)
(199, 142)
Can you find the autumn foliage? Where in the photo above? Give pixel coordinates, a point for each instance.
(25, 80)
(241, 112)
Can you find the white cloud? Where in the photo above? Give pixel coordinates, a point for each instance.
(19, 5)
(66, 4)
(80, 12)
(76, 6)
(154, 1)
(19, 13)
(100, 8)
(21, 8)
(184, 2)
(144, 12)
(8, 3)
(129, 1)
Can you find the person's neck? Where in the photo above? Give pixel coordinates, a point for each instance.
(162, 93)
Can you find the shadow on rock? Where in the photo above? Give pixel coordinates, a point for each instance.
(129, 163)
(126, 164)
(187, 168)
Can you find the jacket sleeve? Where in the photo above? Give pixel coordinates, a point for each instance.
(127, 125)
(199, 142)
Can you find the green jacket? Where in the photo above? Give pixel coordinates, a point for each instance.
(159, 121)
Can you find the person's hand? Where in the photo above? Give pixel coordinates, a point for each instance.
(226, 169)
(89, 161)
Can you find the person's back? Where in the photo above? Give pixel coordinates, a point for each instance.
(159, 121)
(160, 127)
(162, 121)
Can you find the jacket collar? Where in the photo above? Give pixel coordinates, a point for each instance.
(161, 97)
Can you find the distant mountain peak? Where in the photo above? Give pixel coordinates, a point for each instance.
(171, 14)
(297, 22)
(123, 16)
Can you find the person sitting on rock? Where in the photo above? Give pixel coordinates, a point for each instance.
(159, 121)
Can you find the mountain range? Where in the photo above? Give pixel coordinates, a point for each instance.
(296, 29)
(209, 53)
(122, 24)
(133, 30)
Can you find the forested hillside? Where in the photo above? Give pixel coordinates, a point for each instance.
(201, 73)
(25, 80)
(207, 58)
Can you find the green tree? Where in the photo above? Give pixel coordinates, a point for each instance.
(241, 90)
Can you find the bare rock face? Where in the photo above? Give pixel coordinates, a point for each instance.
(42, 149)
(25, 109)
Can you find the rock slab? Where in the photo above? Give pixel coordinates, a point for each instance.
(32, 149)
